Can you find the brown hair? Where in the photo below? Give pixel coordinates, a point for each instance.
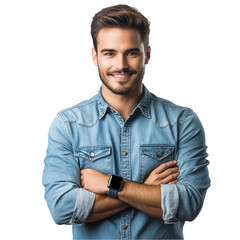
(120, 16)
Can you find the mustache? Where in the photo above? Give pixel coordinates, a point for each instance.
(127, 71)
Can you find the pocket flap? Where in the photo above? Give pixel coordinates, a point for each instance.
(158, 152)
(93, 153)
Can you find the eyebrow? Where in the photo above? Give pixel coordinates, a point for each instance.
(133, 50)
(113, 50)
(107, 50)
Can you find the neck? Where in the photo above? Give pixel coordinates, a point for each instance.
(124, 104)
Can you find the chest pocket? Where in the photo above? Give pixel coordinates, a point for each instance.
(153, 156)
(98, 158)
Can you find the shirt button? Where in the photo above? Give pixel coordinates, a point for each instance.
(92, 154)
(125, 153)
(112, 110)
(125, 227)
(159, 154)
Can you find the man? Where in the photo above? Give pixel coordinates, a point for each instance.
(125, 164)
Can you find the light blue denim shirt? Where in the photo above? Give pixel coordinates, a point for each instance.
(93, 135)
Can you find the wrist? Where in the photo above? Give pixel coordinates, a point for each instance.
(114, 186)
(126, 185)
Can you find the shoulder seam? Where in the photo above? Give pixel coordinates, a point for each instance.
(166, 102)
(65, 122)
(81, 104)
(185, 115)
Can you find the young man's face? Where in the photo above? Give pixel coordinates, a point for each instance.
(121, 59)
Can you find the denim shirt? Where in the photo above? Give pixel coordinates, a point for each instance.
(93, 135)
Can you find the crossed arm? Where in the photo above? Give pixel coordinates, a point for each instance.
(145, 197)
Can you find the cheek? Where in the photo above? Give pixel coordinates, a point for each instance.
(105, 64)
(139, 66)
(138, 63)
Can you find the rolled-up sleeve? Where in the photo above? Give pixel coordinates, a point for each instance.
(67, 201)
(184, 200)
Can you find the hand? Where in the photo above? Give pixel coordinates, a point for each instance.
(94, 181)
(166, 173)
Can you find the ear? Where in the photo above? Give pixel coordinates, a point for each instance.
(94, 56)
(148, 54)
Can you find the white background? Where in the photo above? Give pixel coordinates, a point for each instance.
(45, 66)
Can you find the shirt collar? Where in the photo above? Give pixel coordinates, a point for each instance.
(144, 104)
(102, 105)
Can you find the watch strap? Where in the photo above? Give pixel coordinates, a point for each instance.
(112, 193)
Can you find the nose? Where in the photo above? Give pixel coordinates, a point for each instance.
(121, 62)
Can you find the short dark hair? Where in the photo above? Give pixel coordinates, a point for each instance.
(121, 16)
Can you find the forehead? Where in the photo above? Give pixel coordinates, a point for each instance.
(119, 38)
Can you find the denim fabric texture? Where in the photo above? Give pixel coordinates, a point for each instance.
(93, 135)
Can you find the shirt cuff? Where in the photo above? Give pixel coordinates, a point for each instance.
(170, 203)
(83, 207)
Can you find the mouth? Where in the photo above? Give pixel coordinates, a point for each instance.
(122, 77)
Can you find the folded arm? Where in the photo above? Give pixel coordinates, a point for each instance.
(144, 197)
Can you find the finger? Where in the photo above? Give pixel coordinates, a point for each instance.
(165, 166)
(82, 182)
(173, 169)
(167, 172)
(173, 182)
(170, 178)
(82, 174)
(82, 179)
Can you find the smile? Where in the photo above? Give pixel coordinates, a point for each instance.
(121, 76)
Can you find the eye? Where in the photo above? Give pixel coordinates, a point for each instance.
(109, 54)
(133, 54)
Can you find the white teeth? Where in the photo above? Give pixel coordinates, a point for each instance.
(121, 76)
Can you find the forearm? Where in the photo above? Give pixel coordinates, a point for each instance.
(145, 198)
(105, 207)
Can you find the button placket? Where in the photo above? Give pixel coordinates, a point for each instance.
(125, 146)
(126, 173)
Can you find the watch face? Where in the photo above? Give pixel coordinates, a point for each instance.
(115, 182)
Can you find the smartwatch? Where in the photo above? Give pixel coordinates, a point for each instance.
(114, 185)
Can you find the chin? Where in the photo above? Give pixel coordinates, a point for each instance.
(123, 90)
